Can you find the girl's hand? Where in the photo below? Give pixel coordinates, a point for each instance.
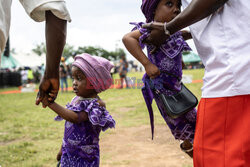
(152, 70)
(45, 101)
(48, 86)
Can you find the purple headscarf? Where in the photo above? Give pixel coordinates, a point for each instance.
(148, 8)
(96, 69)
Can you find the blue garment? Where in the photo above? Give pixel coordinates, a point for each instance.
(63, 80)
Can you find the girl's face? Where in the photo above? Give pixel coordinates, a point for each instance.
(81, 86)
(167, 10)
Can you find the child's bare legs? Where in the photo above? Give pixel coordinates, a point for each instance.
(187, 147)
(121, 83)
(126, 81)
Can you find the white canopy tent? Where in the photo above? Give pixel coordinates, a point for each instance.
(29, 59)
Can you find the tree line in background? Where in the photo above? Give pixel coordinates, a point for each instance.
(70, 51)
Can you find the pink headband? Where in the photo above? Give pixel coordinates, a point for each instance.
(96, 69)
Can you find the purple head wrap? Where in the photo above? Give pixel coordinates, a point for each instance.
(96, 70)
(148, 8)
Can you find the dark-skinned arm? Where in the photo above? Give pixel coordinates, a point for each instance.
(55, 41)
(67, 114)
(186, 35)
(131, 42)
(196, 11)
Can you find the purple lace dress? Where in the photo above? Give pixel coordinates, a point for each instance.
(168, 58)
(80, 146)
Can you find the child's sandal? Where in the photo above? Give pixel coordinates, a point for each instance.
(188, 151)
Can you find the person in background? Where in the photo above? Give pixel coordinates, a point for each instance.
(123, 70)
(63, 78)
(112, 71)
(56, 15)
(221, 33)
(42, 70)
(30, 76)
(69, 72)
(24, 76)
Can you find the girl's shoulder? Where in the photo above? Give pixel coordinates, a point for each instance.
(97, 114)
(138, 25)
(144, 32)
(79, 104)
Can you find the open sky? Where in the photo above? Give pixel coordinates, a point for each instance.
(96, 22)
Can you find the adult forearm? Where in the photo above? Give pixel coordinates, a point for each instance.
(196, 11)
(55, 41)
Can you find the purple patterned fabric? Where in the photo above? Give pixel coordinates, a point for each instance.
(80, 145)
(168, 58)
(148, 8)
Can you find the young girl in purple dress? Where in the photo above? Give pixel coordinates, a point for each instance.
(86, 115)
(160, 62)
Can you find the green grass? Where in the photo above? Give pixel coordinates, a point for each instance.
(29, 137)
(8, 89)
(197, 75)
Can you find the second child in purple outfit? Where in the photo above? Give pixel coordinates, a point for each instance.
(166, 58)
(85, 117)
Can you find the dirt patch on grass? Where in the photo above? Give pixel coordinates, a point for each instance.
(13, 141)
(133, 147)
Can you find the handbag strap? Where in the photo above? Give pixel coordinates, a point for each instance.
(172, 75)
(152, 86)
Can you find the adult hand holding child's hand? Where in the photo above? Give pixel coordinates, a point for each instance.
(45, 101)
(47, 87)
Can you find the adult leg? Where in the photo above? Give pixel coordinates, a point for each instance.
(222, 137)
(61, 83)
(121, 77)
(66, 84)
(126, 81)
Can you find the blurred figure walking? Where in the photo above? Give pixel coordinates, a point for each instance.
(63, 78)
(123, 70)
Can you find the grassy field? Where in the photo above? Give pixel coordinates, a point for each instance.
(29, 137)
